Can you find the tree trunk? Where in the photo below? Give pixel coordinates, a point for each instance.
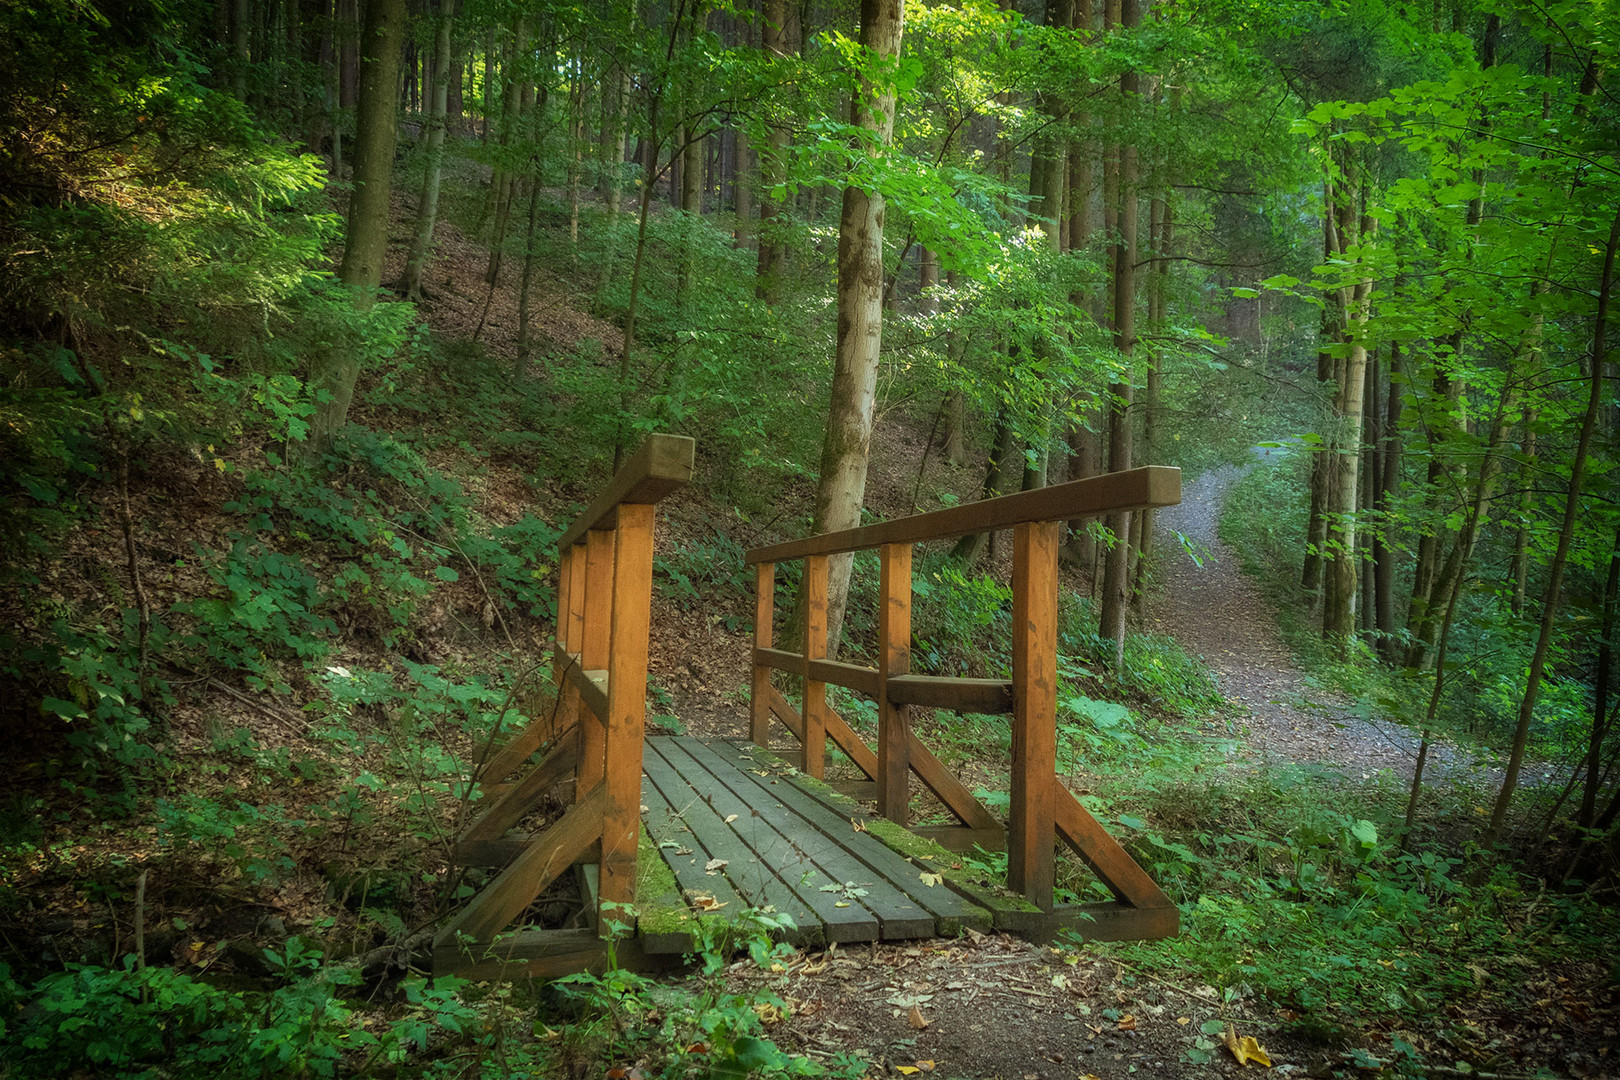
(776, 38)
(1521, 538)
(1587, 815)
(428, 209)
(1339, 584)
(1389, 474)
(366, 240)
(1555, 579)
(504, 182)
(1116, 565)
(847, 448)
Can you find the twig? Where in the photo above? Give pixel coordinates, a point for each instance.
(274, 714)
(140, 926)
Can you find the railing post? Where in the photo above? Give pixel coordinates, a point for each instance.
(596, 610)
(759, 704)
(631, 609)
(1030, 829)
(894, 658)
(813, 752)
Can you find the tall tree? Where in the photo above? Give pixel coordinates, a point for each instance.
(427, 212)
(335, 369)
(847, 448)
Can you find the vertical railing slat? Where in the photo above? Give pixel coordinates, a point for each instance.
(597, 611)
(894, 658)
(813, 751)
(631, 612)
(1031, 834)
(759, 705)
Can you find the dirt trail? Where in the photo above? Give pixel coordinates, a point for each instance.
(1217, 612)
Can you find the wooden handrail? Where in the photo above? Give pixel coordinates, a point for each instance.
(604, 600)
(1135, 489)
(663, 464)
(1039, 809)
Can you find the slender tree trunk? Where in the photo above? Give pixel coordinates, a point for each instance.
(1521, 538)
(520, 369)
(1587, 814)
(1549, 612)
(428, 209)
(1116, 565)
(504, 183)
(335, 369)
(1389, 472)
(1327, 333)
(847, 448)
(778, 42)
(1339, 591)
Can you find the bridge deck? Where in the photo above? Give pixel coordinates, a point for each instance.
(740, 828)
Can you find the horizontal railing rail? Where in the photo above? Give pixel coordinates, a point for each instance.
(1135, 489)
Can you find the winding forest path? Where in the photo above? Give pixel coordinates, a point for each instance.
(1218, 612)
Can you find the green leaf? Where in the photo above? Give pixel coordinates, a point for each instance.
(446, 573)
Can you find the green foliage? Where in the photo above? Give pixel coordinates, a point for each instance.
(674, 1031)
(150, 1022)
(1156, 669)
(1313, 907)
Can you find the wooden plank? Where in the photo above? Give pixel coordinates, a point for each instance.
(542, 954)
(552, 852)
(990, 696)
(565, 582)
(759, 699)
(686, 857)
(1030, 829)
(799, 794)
(897, 914)
(784, 711)
(521, 797)
(960, 838)
(756, 884)
(590, 893)
(509, 758)
(590, 688)
(813, 743)
(770, 852)
(860, 790)
(576, 598)
(595, 649)
(1111, 863)
(499, 853)
(862, 680)
(947, 788)
(627, 700)
(894, 658)
(1134, 489)
(663, 464)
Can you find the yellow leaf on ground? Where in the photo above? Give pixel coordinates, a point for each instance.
(1127, 1022)
(931, 879)
(907, 1070)
(730, 818)
(860, 826)
(1245, 1049)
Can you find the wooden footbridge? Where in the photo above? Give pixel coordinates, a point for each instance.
(673, 837)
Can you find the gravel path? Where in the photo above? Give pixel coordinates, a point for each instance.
(1217, 612)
